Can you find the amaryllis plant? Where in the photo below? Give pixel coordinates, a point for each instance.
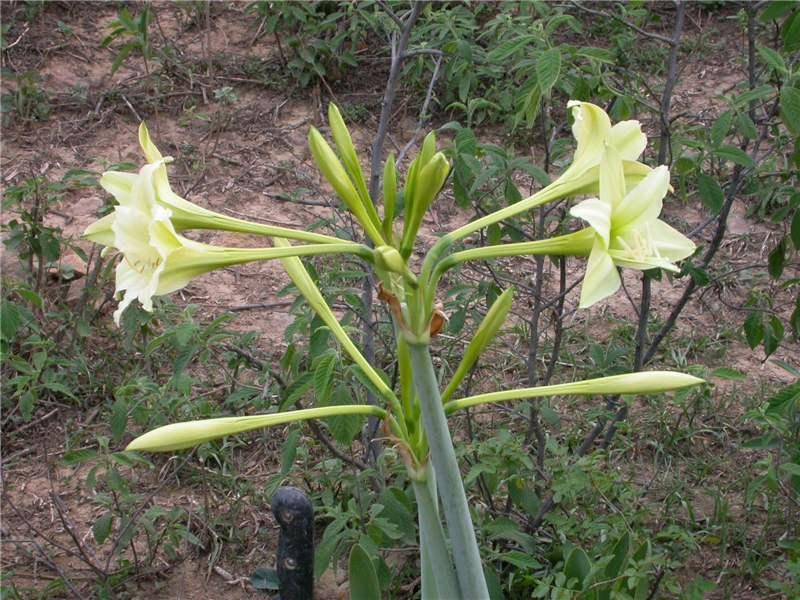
(621, 228)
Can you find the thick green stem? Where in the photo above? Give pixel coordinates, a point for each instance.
(438, 577)
(466, 554)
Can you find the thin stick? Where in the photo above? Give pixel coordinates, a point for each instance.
(367, 336)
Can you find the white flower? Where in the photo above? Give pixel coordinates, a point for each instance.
(628, 230)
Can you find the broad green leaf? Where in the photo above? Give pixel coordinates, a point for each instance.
(721, 127)
(508, 48)
(759, 93)
(792, 469)
(265, 578)
(711, 194)
(363, 578)
(323, 377)
(773, 335)
(775, 9)
(773, 59)
(790, 109)
(578, 566)
(101, 528)
(745, 126)
(777, 259)
(119, 418)
(791, 33)
(754, 329)
(728, 374)
(735, 155)
(548, 67)
(289, 451)
(617, 564)
(343, 428)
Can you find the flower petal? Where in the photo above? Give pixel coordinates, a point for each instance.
(628, 139)
(598, 214)
(151, 153)
(644, 202)
(623, 258)
(590, 128)
(612, 178)
(601, 279)
(119, 185)
(101, 231)
(669, 242)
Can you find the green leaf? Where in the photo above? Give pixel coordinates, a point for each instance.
(754, 329)
(119, 419)
(792, 469)
(265, 578)
(784, 400)
(728, 374)
(343, 428)
(773, 335)
(323, 377)
(762, 91)
(773, 59)
(791, 33)
(721, 127)
(711, 194)
(776, 9)
(617, 564)
(363, 578)
(790, 109)
(102, 527)
(578, 566)
(735, 155)
(289, 451)
(745, 126)
(508, 48)
(777, 259)
(548, 67)
(10, 319)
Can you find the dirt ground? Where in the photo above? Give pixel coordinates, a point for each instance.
(244, 159)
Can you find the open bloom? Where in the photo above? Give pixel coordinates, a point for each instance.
(628, 232)
(157, 260)
(185, 214)
(593, 131)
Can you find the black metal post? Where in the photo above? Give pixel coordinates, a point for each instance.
(295, 563)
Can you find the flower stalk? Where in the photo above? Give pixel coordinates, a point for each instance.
(466, 554)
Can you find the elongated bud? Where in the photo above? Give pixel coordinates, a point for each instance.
(428, 182)
(337, 176)
(389, 196)
(331, 168)
(179, 436)
(428, 149)
(486, 332)
(344, 144)
(648, 382)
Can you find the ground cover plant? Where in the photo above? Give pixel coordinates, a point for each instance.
(689, 494)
